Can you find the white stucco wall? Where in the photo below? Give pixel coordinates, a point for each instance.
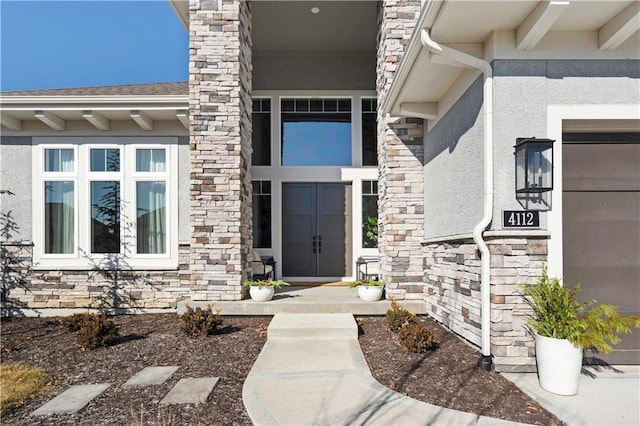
(522, 92)
(15, 176)
(523, 89)
(453, 168)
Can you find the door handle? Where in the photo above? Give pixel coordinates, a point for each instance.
(314, 244)
(319, 243)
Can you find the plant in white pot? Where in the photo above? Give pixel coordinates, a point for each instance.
(263, 290)
(563, 326)
(368, 290)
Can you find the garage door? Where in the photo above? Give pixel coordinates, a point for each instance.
(601, 225)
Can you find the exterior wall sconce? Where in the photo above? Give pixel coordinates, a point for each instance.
(534, 165)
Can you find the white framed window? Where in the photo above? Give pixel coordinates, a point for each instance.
(105, 201)
(316, 131)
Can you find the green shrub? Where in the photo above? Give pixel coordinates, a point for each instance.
(72, 323)
(397, 316)
(415, 337)
(96, 331)
(558, 313)
(200, 322)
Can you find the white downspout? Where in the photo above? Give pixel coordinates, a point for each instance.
(473, 62)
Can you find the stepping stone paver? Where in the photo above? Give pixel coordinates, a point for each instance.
(191, 390)
(73, 399)
(151, 376)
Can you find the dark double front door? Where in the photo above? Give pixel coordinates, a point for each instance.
(314, 229)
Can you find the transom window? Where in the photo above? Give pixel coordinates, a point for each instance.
(316, 132)
(99, 201)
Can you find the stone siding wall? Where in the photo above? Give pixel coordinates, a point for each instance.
(220, 144)
(452, 276)
(400, 159)
(25, 288)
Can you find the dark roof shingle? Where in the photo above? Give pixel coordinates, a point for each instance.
(157, 89)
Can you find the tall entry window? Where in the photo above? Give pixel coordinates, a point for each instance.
(59, 200)
(369, 214)
(261, 214)
(261, 133)
(369, 132)
(316, 132)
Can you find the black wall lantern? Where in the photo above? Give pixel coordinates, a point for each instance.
(534, 165)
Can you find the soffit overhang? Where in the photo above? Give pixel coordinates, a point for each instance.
(291, 26)
(181, 8)
(426, 85)
(100, 111)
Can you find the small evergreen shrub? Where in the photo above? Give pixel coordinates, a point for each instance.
(72, 323)
(559, 313)
(415, 337)
(200, 322)
(397, 316)
(96, 331)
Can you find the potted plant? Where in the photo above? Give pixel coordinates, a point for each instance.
(263, 290)
(368, 290)
(563, 326)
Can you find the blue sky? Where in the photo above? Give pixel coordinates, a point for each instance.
(58, 44)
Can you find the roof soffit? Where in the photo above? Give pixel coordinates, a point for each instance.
(463, 23)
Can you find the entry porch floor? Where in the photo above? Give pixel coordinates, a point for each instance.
(307, 299)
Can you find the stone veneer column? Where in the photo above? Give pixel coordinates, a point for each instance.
(400, 159)
(452, 277)
(220, 114)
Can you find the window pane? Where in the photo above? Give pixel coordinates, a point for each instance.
(262, 221)
(105, 160)
(59, 206)
(369, 214)
(150, 160)
(105, 217)
(58, 160)
(261, 139)
(369, 139)
(316, 139)
(151, 214)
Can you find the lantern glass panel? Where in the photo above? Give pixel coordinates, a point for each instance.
(534, 165)
(521, 170)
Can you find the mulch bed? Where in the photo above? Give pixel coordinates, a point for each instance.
(445, 376)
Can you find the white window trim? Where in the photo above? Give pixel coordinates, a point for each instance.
(356, 126)
(82, 259)
(278, 174)
(86, 189)
(40, 176)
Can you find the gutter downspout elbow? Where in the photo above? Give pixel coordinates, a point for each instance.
(469, 61)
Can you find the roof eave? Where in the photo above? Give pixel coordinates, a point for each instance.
(426, 19)
(17, 101)
(181, 8)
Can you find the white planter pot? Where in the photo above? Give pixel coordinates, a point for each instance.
(559, 364)
(261, 294)
(370, 294)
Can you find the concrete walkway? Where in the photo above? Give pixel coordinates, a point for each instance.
(306, 300)
(606, 396)
(316, 361)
